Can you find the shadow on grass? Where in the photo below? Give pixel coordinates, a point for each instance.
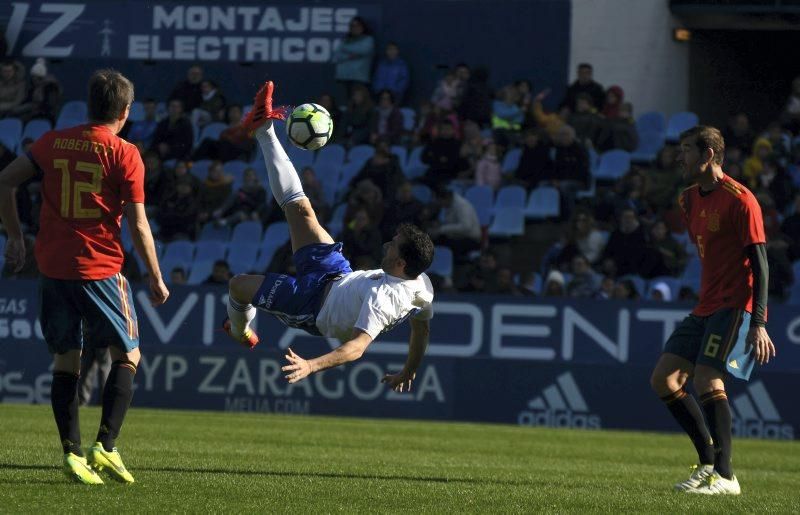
(286, 473)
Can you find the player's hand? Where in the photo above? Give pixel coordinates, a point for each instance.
(298, 367)
(401, 381)
(762, 347)
(15, 253)
(158, 291)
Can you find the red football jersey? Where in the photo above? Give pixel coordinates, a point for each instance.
(88, 174)
(722, 224)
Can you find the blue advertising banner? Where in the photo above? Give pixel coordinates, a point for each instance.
(536, 362)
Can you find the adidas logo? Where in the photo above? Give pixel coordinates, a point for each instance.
(559, 405)
(755, 415)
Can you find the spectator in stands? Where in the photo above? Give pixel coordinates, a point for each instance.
(587, 123)
(791, 114)
(189, 91)
(570, 164)
(619, 132)
(663, 179)
(177, 276)
(460, 228)
(180, 171)
(625, 289)
(791, 229)
(144, 130)
(214, 191)
(357, 119)
(587, 240)
(585, 282)
(738, 133)
(671, 255)
(366, 195)
(772, 219)
(535, 163)
(387, 120)
(606, 290)
(353, 57)
(781, 142)
(478, 276)
(754, 165)
(487, 169)
(615, 96)
(177, 213)
(391, 73)
(12, 88)
(472, 145)
(221, 273)
(463, 74)
(554, 285)
(314, 191)
(660, 292)
(781, 274)
(524, 94)
(383, 169)
(246, 203)
(404, 209)
(233, 142)
(447, 90)
(361, 237)
(476, 103)
(44, 95)
(156, 181)
(584, 84)
(778, 183)
(429, 117)
(626, 249)
(550, 122)
(507, 116)
(212, 108)
(443, 156)
(174, 135)
(327, 101)
(504, 283)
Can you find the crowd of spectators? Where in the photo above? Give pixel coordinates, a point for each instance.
(606, 242)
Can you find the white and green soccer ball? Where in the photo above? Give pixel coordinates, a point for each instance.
(309, 126)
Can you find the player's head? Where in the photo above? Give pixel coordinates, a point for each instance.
(408, 254)
(585, 73)
(110, 97)
(700, 148)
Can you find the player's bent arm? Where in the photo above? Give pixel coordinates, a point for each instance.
(417, 344)
(349, 351)
(18, 171)
(143, 238)
(760, 267)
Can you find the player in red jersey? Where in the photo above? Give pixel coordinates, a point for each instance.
(89, 177)
(725, 333)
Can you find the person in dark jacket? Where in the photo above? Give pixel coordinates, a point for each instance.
(387, 120)
(535, 163)
(391, 73)
(443, 156)
(246, 203)
(584, 84)
(177, 213)
(476, 103)
(383, 169)
(189, 90)
(174, 135)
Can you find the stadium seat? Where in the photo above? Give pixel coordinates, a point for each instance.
(274, 237)
(34, 129)
(74, 112)
(137, 112)
(180, 250)
(328, 176)
(442, 262)
(211, 131)
(242, 258)
(332, 154)
(210, 232)
(507, 222)
(613, 165)
(359, 155)
(402, 154)
(236, 168)
(673, 282)
(200, 168)
(167, 265)
(247, 232)
(691, 274)
(300, 158)
(10, 133)
(650, 144)
(482, 199)
(543, 202)
(409, 118)
(638, 282)
(511, 160)
(651, 121)
(510, 196)
(2, 245)
(336, 223)
(422, 193)
(209, 250)
(680, 122)
(414, 166)
(349, 170)
(201, 271)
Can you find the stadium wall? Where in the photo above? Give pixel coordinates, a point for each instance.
(537, 362)
(241, 43)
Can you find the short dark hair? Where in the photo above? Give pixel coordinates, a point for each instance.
(416, 249)
(110, 93)
(707, 137)
(585, 65)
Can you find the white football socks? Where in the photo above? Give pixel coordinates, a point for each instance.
(283, 179)
(240, 316)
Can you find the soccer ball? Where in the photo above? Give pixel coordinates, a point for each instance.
(309, 126)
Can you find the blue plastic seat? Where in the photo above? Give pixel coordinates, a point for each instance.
(34, 129)
(181, 250)
(409, 118)
(680, 122)
(201, 271)
(137, 112)
(332, 154)
(10, 133)
(652, 121)
(211, 232)
(274, 237)
(360, 154)
(209, 250)
(510, 196)
(511, 160)
(300, 157)
(482, 199)
(200, 168)
(414, 166)
(328, 175)
(422, 193)
(442, 261)
(167, 265)
(402, 154)
(242, 258)
(650, 144)
(613, 165)
(74, 112)
(246, 233)
(543, 202)
(508, 222)
(691, 275)
(336, 223)
(236, 168)
(212, 131)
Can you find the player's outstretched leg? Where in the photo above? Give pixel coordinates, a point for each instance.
(64, 400)
(117, 395)
(241, 290)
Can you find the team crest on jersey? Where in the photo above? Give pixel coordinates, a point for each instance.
(713, 222)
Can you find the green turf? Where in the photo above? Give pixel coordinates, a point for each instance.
(228, 462)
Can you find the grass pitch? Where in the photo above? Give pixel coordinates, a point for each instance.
(187, 461)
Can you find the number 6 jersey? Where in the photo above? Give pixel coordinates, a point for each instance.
(88, 174)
